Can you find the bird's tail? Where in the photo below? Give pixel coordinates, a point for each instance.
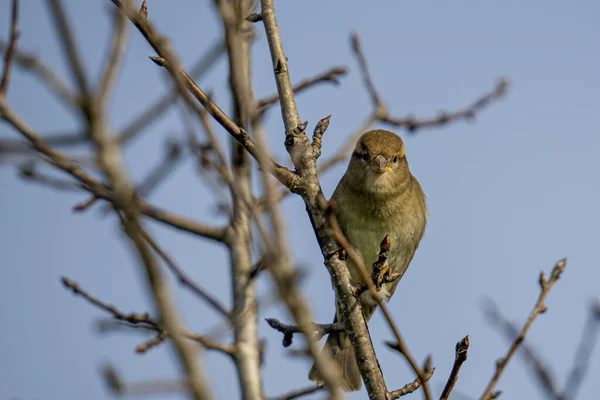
(342, 352)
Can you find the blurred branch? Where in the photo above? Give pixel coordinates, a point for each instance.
(539, 308)
(12, 43)
(284, 175)
(288, 331)
(114, 60)
(158, 174)
(244, 311)
(154, 387)
(70, 51)
(296, 394)
(460, 356)
(60, 89)
(162, 105)
(29, 172)
(33, 64)
(541, 370)
(143, 320)
(583, 354)
(98, 189)
(186, 280)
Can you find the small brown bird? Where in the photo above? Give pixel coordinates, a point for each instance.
(376, 196)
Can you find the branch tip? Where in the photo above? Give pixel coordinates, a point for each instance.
(254, 17)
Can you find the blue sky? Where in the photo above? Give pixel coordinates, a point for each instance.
(508, 194)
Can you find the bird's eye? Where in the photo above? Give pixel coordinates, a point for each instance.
(364, 157)
(395, 159)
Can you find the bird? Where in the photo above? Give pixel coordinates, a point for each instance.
(376, 196)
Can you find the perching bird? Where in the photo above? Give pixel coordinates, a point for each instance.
(376, 196)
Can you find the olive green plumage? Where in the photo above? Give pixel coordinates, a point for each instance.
(376, 196)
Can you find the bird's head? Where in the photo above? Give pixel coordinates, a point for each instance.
(378, 163)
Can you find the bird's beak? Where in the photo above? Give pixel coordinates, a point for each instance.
(380, 164)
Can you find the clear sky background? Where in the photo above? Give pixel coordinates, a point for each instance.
(509, 194)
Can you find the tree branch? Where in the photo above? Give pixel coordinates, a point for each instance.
(99, 190)
(460, 356)
(12, 43)
(330, 75)
(539, 308)
(412, 386)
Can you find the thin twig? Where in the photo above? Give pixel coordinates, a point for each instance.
(460, 356)
(142, 320)
(132, 318)
(412, 386)
(12, 43)
(184, 279)
(30, 173)
(539, 308)
(162, 105)
(67, 42)
(284, 175)
(296, 394)
(331, 75)
(159, 173)
(466, 113)
(33, 64)
(113, 61)
(367, 80)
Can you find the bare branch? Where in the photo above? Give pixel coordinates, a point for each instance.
(142, 320)
(12, 43)
(30, 173)
(460, 356)
(412, 386)
(331, 75)
(296, 394)
(285, 176)
(32, 63)
(467, 113)
(158, 174)
(67, 42)
(98, 189)
(367, 80)
(184, 279)
(247, 354)
(158, 108)
(113, 61)
(539, 308)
